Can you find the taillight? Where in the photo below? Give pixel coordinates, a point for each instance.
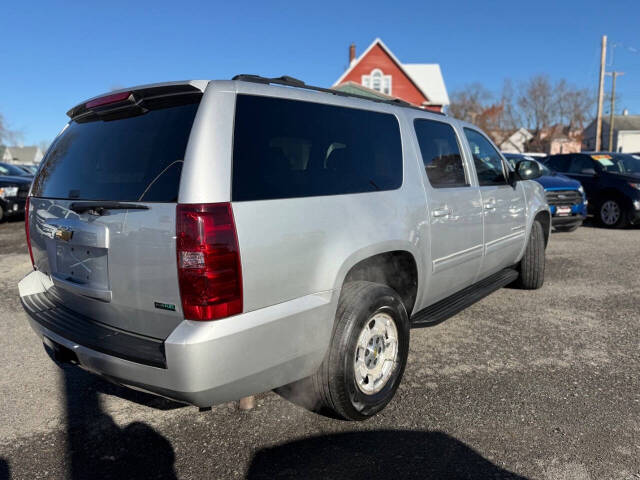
(107, 99)
(209, 269)
(26, 228)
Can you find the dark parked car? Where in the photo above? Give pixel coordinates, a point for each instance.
(29, 169)
(566, 197)
(7, 169)
(13, 195)
(611, 181)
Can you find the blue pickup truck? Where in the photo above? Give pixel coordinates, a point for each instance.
(565, 196)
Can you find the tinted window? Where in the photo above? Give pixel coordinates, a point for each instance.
(487, 160)
(559, 163)
(287, 148)
(136, 158)
(440, 153)
(579, 163)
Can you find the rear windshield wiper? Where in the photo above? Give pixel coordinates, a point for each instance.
(99, 208)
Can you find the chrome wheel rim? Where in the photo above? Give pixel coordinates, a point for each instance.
(610, 212)
(376, 353)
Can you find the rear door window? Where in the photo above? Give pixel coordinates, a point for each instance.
(440, 154)
(135, 158)
(288, 148)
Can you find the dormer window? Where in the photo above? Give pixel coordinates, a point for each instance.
(377, 81)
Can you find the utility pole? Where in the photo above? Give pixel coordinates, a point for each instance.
(603, 59)
(613, 106)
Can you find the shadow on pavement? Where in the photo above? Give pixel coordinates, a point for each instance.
(97, 448)
(375, 454)
(4, 469)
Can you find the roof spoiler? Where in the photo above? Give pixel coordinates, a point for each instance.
(121, 100)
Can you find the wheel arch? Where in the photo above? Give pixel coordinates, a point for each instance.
(544, 217)
(395, 267)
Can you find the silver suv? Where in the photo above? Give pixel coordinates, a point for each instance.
(207, 240)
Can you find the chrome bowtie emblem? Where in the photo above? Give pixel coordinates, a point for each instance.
(63, 233)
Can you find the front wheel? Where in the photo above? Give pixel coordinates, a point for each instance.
(533, 261)
(366, 358)
(611, 214)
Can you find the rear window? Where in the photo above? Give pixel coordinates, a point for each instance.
(287, 148)
(135, 158)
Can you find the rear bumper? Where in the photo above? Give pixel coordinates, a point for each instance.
(214, 362)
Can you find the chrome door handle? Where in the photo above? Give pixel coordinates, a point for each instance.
(441, 212)
(490, 205)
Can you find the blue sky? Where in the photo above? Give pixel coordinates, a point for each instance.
(54, 55)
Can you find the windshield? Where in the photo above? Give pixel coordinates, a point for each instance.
(619, 163)
(135, 158)
(8, 169)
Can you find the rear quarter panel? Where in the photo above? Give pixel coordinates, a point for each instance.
(290, 248)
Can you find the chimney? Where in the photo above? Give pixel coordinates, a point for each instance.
(625, 112)
(352, 53)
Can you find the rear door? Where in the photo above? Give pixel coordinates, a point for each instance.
(103, 207)
(503, 205)
(455, 209)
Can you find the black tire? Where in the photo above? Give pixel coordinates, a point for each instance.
(333, 390)
(605, 220)
(571, 228)
(533, 260)
(1, 214)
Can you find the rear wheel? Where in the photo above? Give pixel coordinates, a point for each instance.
(367, 355)
(533, 261)
(611, 214)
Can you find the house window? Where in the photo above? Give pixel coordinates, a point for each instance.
(377, 81)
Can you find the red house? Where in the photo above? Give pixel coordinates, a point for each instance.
(380, 72)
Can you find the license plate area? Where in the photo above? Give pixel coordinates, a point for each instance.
(84, 265)
(563, 211)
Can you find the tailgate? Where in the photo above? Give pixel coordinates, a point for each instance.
(102, 217)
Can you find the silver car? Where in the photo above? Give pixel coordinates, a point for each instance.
(208, 240)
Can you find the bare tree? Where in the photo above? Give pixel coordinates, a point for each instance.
(8, 135)
(510, 114)
(470, 102)
(536, 103)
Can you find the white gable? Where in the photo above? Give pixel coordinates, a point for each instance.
(428, 78)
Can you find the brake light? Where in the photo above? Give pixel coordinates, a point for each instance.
(26, 228)
(209, 269)
(107, 99)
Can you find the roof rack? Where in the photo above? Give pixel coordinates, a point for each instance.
(294, 82)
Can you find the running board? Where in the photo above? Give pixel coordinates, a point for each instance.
(447, 308)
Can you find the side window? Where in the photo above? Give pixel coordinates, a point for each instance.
(487, 160)
(579, 164)
(288, 148)
(440, 154)
(559, 163)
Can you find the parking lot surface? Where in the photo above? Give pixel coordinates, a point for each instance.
(542, 384)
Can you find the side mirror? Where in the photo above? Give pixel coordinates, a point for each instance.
(528, 170)
(588, 171)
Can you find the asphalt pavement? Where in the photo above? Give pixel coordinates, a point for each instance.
(542, 384)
